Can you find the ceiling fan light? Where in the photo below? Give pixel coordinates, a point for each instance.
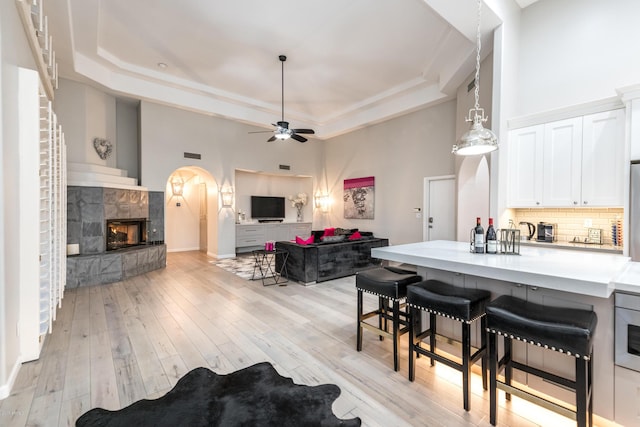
(282, 135)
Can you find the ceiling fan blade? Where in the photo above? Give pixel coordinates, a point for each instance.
(273, 138)
(261, 131)
(309, 131)
(299, 138)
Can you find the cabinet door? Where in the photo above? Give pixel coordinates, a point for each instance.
(603, 159)
(627, 397)
(562, 163)
(250, 235)
(525, 167)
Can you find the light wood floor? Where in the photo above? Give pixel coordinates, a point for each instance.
(115, 344)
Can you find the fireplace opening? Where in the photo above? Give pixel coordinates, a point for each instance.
(125, 233)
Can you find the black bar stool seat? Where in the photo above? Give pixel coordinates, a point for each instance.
(561, 329)
(388, 284)
(464, 305)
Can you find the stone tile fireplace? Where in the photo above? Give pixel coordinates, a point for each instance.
(119, 232)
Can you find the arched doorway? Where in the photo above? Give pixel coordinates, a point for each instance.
(191, 207)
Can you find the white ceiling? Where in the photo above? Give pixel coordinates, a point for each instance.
(350, 63)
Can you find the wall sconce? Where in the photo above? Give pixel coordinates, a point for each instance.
(227, 197)
(322, 202)
(177, 186)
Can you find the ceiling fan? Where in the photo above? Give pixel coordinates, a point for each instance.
(282, 130)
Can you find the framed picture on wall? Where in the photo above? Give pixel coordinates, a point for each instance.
(359, 195)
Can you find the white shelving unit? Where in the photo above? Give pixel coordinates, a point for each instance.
(53, 223)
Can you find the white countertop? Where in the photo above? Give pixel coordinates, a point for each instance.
(629, 279)
(585, 273)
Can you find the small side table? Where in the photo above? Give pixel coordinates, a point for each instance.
(264, 267)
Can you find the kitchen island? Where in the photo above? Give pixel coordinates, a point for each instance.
(552, 277)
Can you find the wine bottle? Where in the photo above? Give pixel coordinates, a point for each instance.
(479, 237)
(492, 241)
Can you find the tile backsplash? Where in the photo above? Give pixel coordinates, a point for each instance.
(571, 221)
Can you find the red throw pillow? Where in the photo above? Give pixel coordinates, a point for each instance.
(301, 241)
(355, 236)
(329, 232)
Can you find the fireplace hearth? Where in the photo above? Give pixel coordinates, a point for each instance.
(126, 233)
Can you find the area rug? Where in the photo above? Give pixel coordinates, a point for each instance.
(253, 396)
(241, 266)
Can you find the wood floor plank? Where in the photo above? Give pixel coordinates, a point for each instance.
(115, 344)
(72, 409)
(45, 410)
(77, 379)
(14, 410)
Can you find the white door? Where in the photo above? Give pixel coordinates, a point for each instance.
(440, 208)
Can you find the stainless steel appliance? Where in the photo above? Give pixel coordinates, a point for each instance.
(531, 229)
(627, 341)
(634, 212)
(546, 232)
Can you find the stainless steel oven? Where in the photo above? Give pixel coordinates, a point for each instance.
(627, 343)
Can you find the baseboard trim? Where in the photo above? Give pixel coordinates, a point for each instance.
(221, 256)
(5, 389)
(182, 249)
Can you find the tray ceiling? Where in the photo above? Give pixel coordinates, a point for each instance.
(350, 63)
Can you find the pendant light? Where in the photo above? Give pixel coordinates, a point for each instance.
(477, 140)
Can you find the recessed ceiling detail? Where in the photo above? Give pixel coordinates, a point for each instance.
(351, 63)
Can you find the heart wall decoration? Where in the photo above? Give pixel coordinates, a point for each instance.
(103, 147)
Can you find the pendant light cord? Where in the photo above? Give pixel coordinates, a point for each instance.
(478, 46)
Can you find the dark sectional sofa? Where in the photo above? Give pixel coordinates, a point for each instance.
(321, 261)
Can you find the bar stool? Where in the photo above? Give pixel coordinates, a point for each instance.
(565, 330)
(463, 305)
(388, 284)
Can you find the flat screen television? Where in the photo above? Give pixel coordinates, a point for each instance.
(267, 208)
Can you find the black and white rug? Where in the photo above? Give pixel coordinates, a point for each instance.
(253, 396)
(241, 265)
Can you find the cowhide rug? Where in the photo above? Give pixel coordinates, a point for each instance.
(253, 396)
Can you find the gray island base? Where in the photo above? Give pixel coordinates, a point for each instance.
(552, 277)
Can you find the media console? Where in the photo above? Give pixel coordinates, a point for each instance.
(254, 236)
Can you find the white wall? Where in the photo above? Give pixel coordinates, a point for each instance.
(14, 53)
(29, 208)
(127, 155)
(86, 113)
(256, 184)
(575, 51)
(399, 153)
(182, 223)
(225, 145)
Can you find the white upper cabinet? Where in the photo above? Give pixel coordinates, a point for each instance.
(562, 150)
(525, 167)
(603, 159)
(576, 162)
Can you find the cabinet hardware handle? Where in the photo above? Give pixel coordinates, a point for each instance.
(585, 202)
(575, 203)
(537, 203)
(534, 288)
